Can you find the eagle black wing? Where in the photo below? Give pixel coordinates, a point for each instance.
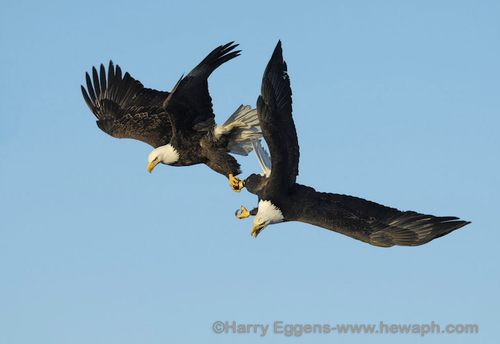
(368, 221)
(125, 108)
(274, 108)
(189, 105)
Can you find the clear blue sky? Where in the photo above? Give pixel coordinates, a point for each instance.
(394, 101)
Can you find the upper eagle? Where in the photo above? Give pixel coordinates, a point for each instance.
(180, 124)
(282, 199)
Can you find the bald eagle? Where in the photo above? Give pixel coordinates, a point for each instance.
(281, 199)
(180, 125)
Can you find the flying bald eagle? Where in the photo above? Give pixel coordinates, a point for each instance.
(180, 125)
(281, 199)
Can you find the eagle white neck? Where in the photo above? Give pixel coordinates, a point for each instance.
(269, 212)
(166, 154)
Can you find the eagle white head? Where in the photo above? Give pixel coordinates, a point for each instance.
(165, 154)
(267, 214)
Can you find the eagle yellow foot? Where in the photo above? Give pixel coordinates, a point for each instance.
(242, 213)
(235, 183)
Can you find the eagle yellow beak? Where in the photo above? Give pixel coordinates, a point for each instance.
(152, 165)
(255, 231)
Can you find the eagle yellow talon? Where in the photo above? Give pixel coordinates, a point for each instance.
(235, 183)
(243, 214)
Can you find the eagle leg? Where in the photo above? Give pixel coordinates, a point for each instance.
(235, 183)
(242, 213)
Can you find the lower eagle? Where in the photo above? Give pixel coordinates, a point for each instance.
(281, 199)
(180, 125)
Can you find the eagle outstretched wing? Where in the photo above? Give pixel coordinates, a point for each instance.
(274, 108)
(125, 108)
(189, 105)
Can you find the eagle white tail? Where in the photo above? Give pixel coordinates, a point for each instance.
(242, 127)
(263, 158)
